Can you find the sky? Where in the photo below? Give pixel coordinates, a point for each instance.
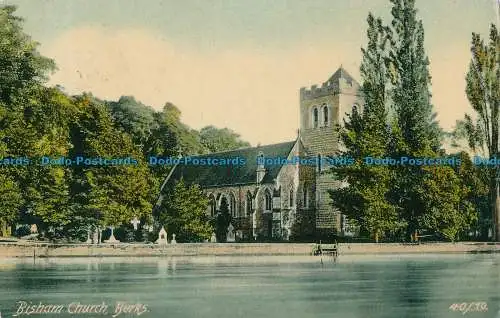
(239, 63)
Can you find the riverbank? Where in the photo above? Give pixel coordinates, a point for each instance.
(32, 249)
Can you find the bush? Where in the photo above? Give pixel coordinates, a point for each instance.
(23, 230)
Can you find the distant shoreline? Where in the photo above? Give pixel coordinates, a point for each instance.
(47, 250)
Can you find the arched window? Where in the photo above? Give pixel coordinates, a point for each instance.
(318, 163)
(224, 207)
(269, 201)
(315, 117)
(212, 205)
(248, 206)
(291, 198)
(232, 205)
(354, 108)
(325, 116)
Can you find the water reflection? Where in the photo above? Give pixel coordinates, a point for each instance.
(278, 287)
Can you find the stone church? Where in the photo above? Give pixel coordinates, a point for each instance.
(283, 201)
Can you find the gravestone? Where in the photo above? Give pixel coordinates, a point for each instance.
(112, 238)
(230, 233)
(89, 240)
(213, 238)
(173, 240)
(239, 234)
(254, 226)
(34, 229)
(95, 236)
(162, 237)
(135, 222)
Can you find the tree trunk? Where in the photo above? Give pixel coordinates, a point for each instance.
(376, 236)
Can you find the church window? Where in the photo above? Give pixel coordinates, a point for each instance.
(248, 204)
(325, 116)
(269, 201)
(212, 205)
(318, 163)
(315, 117)
(291, 203)
(232, 202)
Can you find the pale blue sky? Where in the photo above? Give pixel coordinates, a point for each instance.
(235, 63)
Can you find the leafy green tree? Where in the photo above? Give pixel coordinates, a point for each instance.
(366, 134)
(21, 65)
(11, 199)
(215, 139)
(23, 127)
(445, 199)
(114, 194)
(416, 132)
(483, 92)
(183, 213)
(134, 118)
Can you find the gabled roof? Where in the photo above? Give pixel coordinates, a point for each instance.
(227, 175)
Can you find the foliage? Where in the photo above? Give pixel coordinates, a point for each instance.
(398, 120)
(483, 93)
(21, 65)
(183, 212)
(365, 134)
(133, 118)
(117, 193)
(11, 199)
(215, 139)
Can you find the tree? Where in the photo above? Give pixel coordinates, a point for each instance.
(21, 65)
(22, 71)
(445, 197)
(183, 213)
(112, 194)
(215, 139)
(133, 118)
(483, 93)
(11, 199)
(365, 134)
(415, 130)
(410, 78)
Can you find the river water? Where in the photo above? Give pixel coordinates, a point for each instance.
(256, 287)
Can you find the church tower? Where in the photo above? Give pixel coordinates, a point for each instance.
(322, 108)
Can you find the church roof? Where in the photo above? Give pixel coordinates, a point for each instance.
(227, 175)
(341, 73)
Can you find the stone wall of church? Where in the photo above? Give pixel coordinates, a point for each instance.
(322, 139)
(328, 220)
(242, 219)
(304, 224)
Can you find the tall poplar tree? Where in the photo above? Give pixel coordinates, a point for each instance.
(416, 131)
(366, 134)
(483, 92)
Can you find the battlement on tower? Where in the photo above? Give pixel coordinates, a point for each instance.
(328, 88)
(333, 86)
